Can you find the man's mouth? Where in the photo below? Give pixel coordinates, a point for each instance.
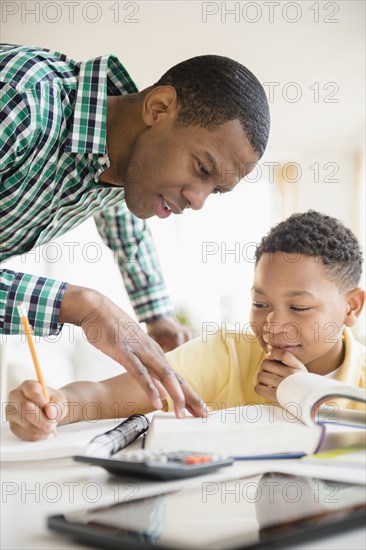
(163, 210)
(166, 205)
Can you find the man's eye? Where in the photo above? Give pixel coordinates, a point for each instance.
(204, 170)
(216, 191)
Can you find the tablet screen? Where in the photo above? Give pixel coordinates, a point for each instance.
(234, 514)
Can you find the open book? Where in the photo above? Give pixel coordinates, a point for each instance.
(295, 428)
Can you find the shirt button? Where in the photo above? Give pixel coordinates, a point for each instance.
(102, 161)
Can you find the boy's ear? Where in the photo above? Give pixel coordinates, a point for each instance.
(356, 300)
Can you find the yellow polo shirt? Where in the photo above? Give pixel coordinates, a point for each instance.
(223, 370)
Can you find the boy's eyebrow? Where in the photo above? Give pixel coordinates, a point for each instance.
(257, 290)
(299, 293)
(290, 294)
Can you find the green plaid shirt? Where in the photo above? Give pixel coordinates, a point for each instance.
(53, 150)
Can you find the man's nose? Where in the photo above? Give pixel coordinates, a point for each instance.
(196, 197)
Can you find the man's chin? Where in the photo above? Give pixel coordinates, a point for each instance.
(138, 212)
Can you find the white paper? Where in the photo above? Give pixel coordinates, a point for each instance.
(71, 439)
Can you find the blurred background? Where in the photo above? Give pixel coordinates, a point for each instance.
(310, 58)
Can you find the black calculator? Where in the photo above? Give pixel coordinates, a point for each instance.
(158, 464)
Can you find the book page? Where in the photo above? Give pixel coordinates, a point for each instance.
(300, 393)
(248, 431)
(71, 439)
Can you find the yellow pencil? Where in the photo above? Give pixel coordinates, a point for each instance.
(28, 332)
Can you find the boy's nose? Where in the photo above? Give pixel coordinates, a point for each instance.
(274, 323)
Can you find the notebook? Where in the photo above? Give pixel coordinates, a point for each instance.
(72, 439)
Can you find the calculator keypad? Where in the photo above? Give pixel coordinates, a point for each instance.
(159, 464)
(161, 457)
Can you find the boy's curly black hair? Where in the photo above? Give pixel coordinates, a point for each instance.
(314, 234)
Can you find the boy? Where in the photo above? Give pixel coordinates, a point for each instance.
(305, 299)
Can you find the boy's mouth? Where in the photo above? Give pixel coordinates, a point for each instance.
(284, 347)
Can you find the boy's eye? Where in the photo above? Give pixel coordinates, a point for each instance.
(259, 305)
(295, 308)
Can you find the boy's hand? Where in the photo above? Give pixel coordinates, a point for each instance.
(30, 416)
(277, 365)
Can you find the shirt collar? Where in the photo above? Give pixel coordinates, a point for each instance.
(97, 78)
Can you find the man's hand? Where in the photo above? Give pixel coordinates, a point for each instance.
(168, 333)
(277, 365)
(30, 416)
(115, 333)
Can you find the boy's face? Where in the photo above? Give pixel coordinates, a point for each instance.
(297, 308)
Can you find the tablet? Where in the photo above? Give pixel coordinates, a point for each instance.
(271, 510)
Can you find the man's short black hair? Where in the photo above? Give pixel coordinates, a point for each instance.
(314, 234)
(213, 89)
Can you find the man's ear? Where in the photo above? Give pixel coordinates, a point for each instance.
(159, 103)
(356, 300)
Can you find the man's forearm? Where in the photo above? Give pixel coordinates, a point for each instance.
(77, 303)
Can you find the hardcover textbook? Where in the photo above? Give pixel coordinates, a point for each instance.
(296, 428)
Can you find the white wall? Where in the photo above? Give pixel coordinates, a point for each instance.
(310, 58)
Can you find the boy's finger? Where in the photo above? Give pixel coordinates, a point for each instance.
(29, 434)
(51, 411)
(265, 391)
(31, 417)
(284, 358)
(268, 379)
(32, 423)
(56, 409)
(274, 367)
(32, 391)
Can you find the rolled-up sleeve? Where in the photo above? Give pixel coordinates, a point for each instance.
(42, 298)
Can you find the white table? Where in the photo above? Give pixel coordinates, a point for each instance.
(31, 493)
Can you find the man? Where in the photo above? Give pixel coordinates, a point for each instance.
(80, 140)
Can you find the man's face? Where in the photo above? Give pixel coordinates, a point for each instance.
(298, 309)
(174, 168)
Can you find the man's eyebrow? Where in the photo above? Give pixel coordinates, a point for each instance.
(211, 160)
